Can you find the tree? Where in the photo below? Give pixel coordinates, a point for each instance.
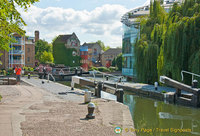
(46, 57)
(40, 47)
(11, 20)
(114, 62)
(119, 62)
(169, 42)
(104, 48)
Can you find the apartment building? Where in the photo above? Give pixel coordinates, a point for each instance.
(22, 52)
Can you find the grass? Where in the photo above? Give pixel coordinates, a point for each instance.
(0, 97)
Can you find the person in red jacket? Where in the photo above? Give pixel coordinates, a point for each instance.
(18, 74)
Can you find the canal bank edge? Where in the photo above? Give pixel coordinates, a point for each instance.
(113, 114)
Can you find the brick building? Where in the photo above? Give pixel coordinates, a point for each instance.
(22, 52)
(109, 55)
(94, 54)
(66, 50)
(84, 57)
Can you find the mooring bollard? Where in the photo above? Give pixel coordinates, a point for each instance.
(120, 95)
(91, 107)
(96, 90)
(156, 85)
(29, 75)
(99, 89)
(81, 72)
(87, 96)
(72, 85)
(76, 71)
(194, 84)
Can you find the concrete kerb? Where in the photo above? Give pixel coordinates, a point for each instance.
(25, 81)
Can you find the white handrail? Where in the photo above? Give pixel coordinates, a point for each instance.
(105, 74)
(193, 74)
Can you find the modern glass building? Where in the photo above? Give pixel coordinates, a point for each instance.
(131, 32)
(129, 37)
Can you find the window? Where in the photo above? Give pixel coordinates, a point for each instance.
(28, 49)
(28, 59)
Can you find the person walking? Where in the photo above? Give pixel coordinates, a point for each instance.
(18, 74)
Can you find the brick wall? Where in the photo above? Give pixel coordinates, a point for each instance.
(30, 55)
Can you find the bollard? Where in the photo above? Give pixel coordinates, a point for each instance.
(91, 108)
(81, 72)
(87, 96)
(96, 90)
(156, 85)
(72, 85)
(76, 71)
(29, 75)
(120, 95)
(99, 89)
(194, 84)
(106, 78)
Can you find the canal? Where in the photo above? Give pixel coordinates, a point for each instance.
(152, 117)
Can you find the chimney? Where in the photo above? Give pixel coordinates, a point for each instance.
(37, 37)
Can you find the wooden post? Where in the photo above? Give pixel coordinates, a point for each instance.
(120, 95)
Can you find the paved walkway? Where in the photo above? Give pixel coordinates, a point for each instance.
(59, 90)
(38, 110)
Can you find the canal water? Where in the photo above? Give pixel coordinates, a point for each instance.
(156, 118)
(153, 117)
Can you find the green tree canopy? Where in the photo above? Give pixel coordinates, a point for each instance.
(46, 57)
(169, 42)
(40, 47)
(11, 20)
(119, 61)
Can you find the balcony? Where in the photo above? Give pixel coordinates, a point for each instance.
(16, 52)
(17, 61)
(18, 41)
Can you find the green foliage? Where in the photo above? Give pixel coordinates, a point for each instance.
(40, 47)
(103, 47)
(170, 42)
(46, 57)
(93, 68)
(114, 62)
(63, 55)
(104, 69)
(11, 20)
(29, 69)
(119, 62)
(112, 69)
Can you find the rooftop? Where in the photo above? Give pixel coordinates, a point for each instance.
(113, 51)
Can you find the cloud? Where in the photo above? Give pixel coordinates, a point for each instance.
(102, 23)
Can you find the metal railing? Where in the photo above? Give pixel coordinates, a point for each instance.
(193, 74)
(105, 75)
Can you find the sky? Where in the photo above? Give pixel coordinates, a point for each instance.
(91, 20)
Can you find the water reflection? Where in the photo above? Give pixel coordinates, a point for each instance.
(163, 119)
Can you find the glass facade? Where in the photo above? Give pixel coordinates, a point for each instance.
(129, 37)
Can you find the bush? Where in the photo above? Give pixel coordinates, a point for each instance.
(93, 68)
(112, 69)
(29, 69)
(104, 69)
